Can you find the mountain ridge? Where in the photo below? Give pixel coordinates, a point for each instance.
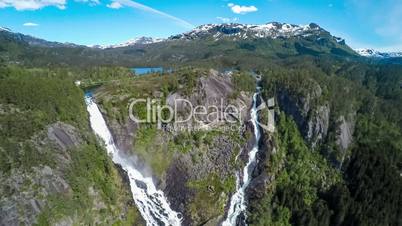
(372, 53)
(235, 30)
(34, 41)
(270, 41)
(142, 40)
(244, 31)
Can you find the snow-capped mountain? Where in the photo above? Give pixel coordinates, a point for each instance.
(132, 42)
(312, 33)
(237, 31)
(244, 31)
(377, 54)
(5, 29)
(142, 41)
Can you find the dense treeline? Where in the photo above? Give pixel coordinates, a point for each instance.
(31, 100)
(369, 194)
(370, 187)
(28, 104)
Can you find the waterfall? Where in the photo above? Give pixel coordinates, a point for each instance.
(151, 202)
(237, 202)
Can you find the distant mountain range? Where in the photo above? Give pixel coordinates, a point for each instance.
(135, 41)
(217, 43)
(33, 40)
(377, 54)
(216, 32)
(236, 32)
(232, 31)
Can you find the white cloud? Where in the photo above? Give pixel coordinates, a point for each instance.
(114, 5)
(32, 4)
(227, 20)
(30, 24)
(148, 9)
(89, 2)
(242, 9)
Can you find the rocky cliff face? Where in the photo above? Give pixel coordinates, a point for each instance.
(28, 195)
(213, 89)
(29, 191)
(346, 129)
(344, 136)
(22, 202)
(312, 114)
(312, 120)
(199, 156)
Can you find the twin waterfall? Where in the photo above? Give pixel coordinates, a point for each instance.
(237, 202)
(151, 202)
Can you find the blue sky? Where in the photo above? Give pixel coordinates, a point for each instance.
(363, 23)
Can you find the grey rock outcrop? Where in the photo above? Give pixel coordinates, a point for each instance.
(346, 129)
(214, 89)
(28, 191)
(312, 119)
(64, 135)
(330, 130)
(318, 125)
(344, 137)
(24, 194)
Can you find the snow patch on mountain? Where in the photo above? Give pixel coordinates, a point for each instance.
(377, 54)
(243, 31)
(132, 42)
(232, 31)
(5, 29)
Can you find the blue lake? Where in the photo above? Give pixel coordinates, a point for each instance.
(147, 70)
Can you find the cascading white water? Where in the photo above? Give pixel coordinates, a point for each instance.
(237, 202)
(151, 202)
